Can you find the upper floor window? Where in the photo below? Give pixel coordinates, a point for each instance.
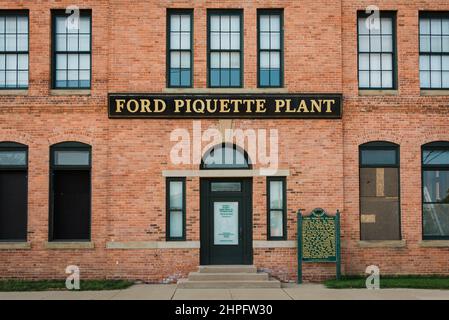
(376, 51)
(225, 48)
(14, 49)
(270, 40)
(379, 191)
(435, 190)
(71, 51)
(180, 48)
(434, 50)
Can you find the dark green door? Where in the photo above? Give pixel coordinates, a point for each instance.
(226, 221)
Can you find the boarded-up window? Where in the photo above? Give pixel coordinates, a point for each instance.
(379, 192)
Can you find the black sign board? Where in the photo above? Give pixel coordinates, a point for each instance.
(262, 106)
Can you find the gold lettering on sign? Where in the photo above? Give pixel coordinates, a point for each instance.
(316, 105)
(159, 106)
(260, 106)
(279, 104)
(132, 106)
(329, 105)
(119, 105)
(145, 105)
(303, 106)
(178, 105)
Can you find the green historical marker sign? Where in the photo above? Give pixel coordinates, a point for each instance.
(318, 239)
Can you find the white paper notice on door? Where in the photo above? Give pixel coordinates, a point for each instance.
(226, 223)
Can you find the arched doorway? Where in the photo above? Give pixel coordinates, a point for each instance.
(226, 208)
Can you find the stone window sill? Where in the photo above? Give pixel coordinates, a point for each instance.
(69, 245)
(378, 92)
(63, 92)
(225, 90)
(433, 93)
(274, 244)
(383, 244)
(434, 243)
(15, 245)
(14, 92)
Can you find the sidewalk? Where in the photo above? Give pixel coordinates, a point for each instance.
(288, 292)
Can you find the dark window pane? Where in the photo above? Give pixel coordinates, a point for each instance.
(379, 157)
(436, 157)
(71, 205)
(436, 220)
(13, 205)
(72, 158)
(264, 77)
(235, 77)
(175, 76)
(215, 77)
(275, 77)
(276, 223)
(176, 195)
(436, 186)
(224, 77)
(176, 224)
(185, 78)
(225, 157)
(226, 186)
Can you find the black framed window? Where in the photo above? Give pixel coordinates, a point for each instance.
(225, 156)
(276, 208)
(176, 209)
(270, 44)
(377, 51)
(180, 48)
(71, 45)
(225, 44)
(70, 192)
(379, 191)
(435, 190)
(13, 191)
(14, 52)
(434, 50)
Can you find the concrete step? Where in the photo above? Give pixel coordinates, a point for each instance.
(235, 276)
(187, 284)
(228, 269)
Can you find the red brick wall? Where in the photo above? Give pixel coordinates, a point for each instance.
(128, 203)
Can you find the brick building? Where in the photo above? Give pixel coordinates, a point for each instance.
(81, 187)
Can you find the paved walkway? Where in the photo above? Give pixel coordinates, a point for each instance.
(288, 292)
